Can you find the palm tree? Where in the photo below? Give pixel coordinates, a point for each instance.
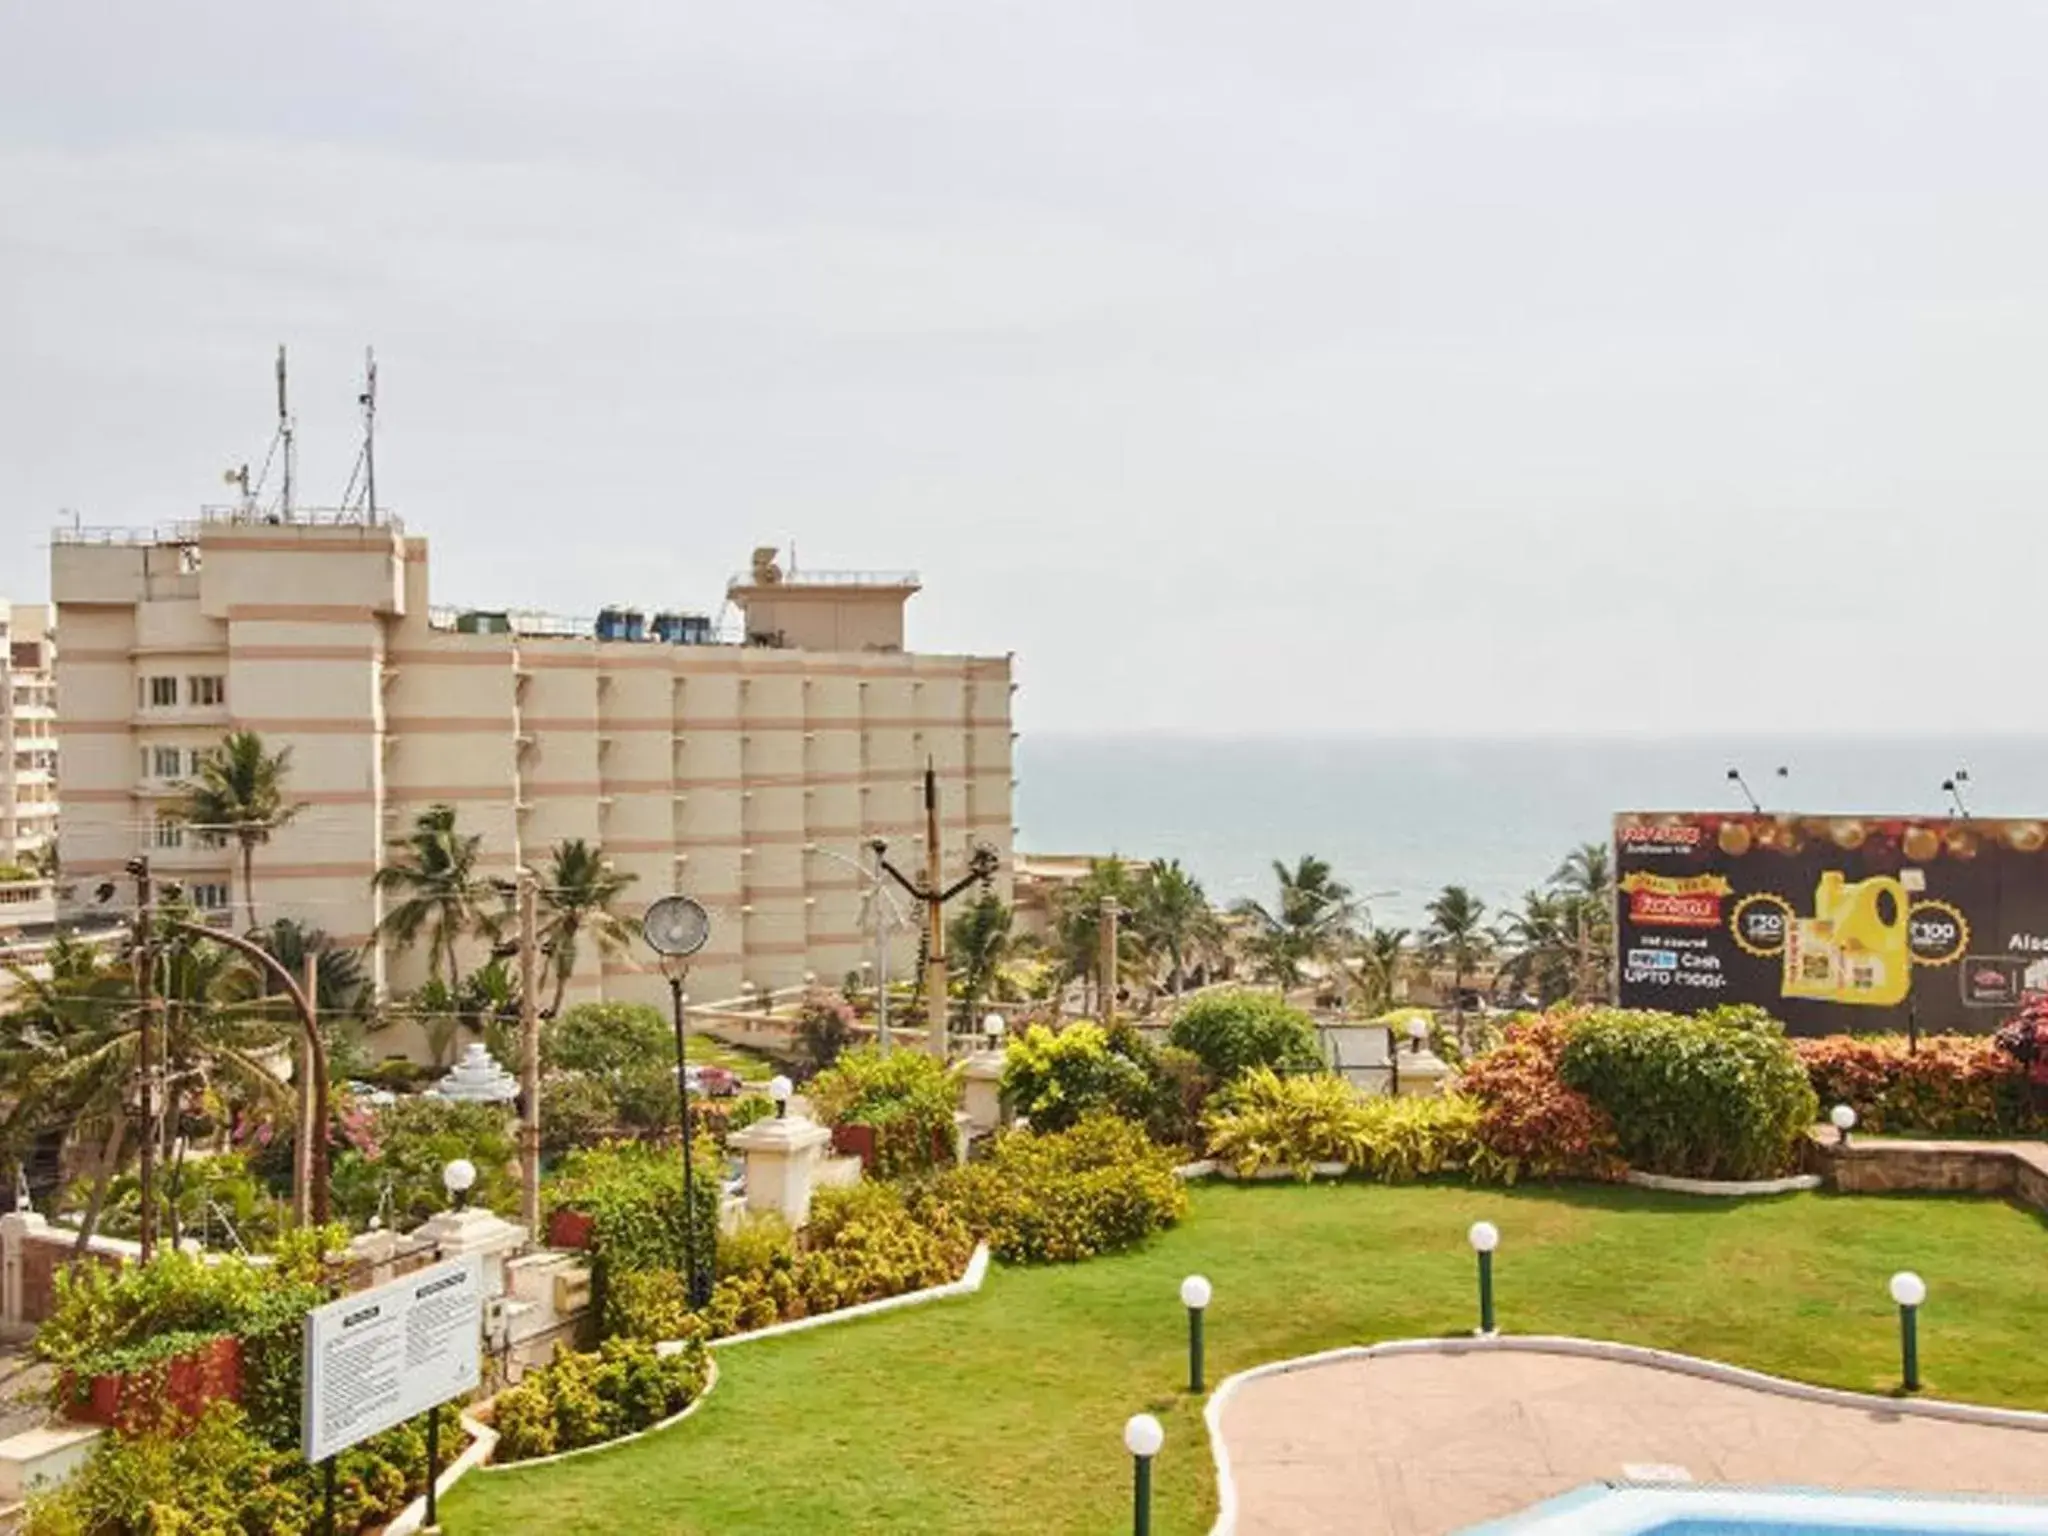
(433, 874)
(1077, 925)
(238, 792)
(1310, 922)
(1456, 937)
(578, 894)
(54, 1064)
(1385, 952)
(1173, 914)
(978, 938)
(1538, 942)
(1586, 882)
(342, 986)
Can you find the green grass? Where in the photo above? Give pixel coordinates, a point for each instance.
(752, 1066)
(1003, 1412)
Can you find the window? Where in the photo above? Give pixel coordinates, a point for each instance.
(163, 692)
(209, 895)
(165, 762)
(205, 691)
(167, 833)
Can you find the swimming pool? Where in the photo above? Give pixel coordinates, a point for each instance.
(1622, 1509)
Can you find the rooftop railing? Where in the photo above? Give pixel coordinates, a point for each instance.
(807, 578)
(188, 531)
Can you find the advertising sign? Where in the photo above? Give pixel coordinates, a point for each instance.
(1833, 923)
(388, 1354)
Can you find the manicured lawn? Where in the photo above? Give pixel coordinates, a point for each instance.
(1003, 1412)
(751, 1065)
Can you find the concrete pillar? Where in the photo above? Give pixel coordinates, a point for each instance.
(15, 1227)
(782, 1156)
(981, 1096)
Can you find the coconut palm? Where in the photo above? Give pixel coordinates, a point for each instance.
(238, 792)
(1457, 937)
(979, 940)
(1310, 922)
(433, 875)
(1537, 942)
(1174, 917)
(1077, 925)
(1585, 881)
(576, 899)
(1383, 953)
(343, 988)
(53, 1025)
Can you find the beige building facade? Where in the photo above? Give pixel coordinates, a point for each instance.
(28, 732)
(734, 772)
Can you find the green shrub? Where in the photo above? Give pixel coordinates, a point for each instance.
(580, 1399)
(1953, 1085)
(1181, 1089)
(608, 1040)
(106, 1320)
(1056, 1077)
(1710, 1097)
(1065, 1195)
(576, 1110)
(749, 1110)
(1265, 1121)
(1232, 1032)
(862, 1244)
(215, 1474)
(908, 1097)
(633, 1192)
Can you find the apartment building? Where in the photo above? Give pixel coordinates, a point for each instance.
(28, 732)
(746, 772)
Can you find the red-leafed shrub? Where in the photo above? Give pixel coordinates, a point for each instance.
(1548, 1130)
(1954, 1085)
(2025, 1039)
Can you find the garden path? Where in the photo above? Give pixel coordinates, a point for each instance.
(1415, 1444)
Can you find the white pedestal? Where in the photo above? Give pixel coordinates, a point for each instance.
(782, 1156)
(1422, 1073)
(981, 1091)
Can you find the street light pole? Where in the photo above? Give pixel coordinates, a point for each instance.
(301, 1001)
(144, 944)
(695, 1279)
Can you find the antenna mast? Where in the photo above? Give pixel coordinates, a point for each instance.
(284, 432)
(368, 401)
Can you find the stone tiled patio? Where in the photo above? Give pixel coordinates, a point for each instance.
(1415, 1444)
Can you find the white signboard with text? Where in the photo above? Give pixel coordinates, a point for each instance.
(388, 1354)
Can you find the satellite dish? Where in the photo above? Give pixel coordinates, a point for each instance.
(676, 927)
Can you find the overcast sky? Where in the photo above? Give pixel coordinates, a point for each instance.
(1332, 366)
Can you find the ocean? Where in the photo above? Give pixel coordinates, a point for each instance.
(1401, 817)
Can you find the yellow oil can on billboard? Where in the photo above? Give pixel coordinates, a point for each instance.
(1855, 947)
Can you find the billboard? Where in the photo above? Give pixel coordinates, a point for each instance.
(1833, 923)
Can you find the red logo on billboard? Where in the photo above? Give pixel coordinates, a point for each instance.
(1671, 901)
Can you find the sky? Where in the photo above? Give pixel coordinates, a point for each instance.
(1256, 369)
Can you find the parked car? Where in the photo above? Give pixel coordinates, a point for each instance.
(713, 1082)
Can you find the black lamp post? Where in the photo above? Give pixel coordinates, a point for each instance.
(676, 928)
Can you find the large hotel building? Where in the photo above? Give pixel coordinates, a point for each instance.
(749, 773)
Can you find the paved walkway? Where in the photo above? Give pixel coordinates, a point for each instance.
(1415, 1444)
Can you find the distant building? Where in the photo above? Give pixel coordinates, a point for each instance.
(731, 769)
(28, 732)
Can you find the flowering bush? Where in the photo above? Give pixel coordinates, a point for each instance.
(581, 1399)
(1529, 1117)
(1067, 1195)
(1954, 1085)
(2025, 1039)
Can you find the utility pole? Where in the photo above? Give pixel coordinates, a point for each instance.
(302, 1149)
(937, 999)
(1106, 936)
(529, 1054)
(980, 866)
(143, 937)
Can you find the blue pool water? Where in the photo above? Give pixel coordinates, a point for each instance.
(1694, 1510)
